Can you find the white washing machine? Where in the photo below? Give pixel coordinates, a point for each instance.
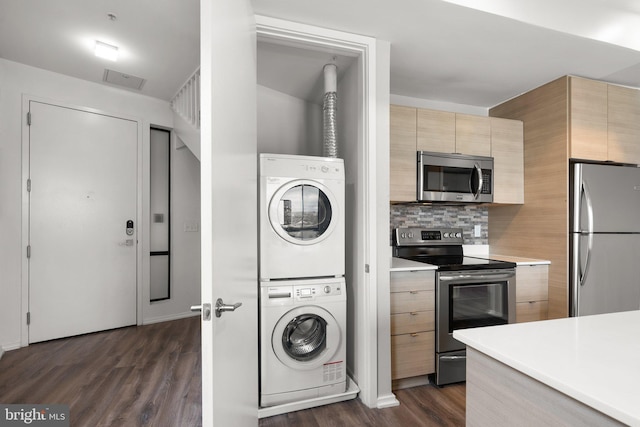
(302, 211)
(302, 340)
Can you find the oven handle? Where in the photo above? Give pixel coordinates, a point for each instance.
(474, 277)
(448, 358)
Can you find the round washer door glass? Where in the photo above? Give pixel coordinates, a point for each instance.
(306, 337)
(303, 212)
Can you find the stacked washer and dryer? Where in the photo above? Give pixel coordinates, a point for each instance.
(303, 299)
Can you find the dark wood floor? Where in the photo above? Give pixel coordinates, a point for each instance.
(150, 376)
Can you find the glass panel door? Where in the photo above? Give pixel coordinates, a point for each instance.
(304, 212)
(478, 304)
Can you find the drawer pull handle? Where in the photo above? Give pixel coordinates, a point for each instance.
(413, 292)
(413, 313)
(414, 335)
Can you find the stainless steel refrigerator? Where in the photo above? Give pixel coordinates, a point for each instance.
(604, 239)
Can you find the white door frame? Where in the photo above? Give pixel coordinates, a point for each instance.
(26, 99)
(281, 31)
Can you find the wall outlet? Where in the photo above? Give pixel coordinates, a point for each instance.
(477, 231)
(191, 227)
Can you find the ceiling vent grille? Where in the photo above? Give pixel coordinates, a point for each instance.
(122, 79)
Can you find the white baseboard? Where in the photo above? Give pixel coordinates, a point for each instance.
(170, 317)
(388, 401)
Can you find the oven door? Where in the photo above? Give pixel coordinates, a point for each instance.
(469, 299)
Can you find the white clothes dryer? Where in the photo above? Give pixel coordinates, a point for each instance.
(302, 340)
(302, 211)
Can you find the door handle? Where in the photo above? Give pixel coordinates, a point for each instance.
(221, 307)
(205, 309)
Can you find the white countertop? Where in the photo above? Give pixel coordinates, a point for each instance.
(517, 259)
(594, 359)
(400, 264)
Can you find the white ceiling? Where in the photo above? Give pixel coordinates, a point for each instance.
(440, 51)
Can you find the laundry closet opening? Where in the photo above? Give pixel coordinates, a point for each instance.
(290, 122)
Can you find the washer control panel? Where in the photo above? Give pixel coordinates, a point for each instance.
(302, 292)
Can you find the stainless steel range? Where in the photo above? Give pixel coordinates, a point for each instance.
(470, 292)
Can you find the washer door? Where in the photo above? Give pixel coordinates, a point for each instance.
(306, 337)
(303, 212)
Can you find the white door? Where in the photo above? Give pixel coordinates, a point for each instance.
(229, 212)
(82, 266)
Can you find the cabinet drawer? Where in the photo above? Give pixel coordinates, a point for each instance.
(412, 355)
(419, 280)
(531, 283)
(531, 311)
(417, 321)
(407, 302)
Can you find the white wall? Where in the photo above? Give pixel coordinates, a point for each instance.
(288, 125)
(17, 80)
(438, 105)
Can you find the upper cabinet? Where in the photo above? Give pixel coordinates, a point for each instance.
(402, 154)
(473, 135)
(588, 119)
(445, 132)
(624, 124)
(604, 121)
(436, 131)
(417, 129)
(507, 151)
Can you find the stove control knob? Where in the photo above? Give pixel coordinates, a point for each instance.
(327, 289)
(445, 235)
(403, 235)
(410, 235)
(458, 235)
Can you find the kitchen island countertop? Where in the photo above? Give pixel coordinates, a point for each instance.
(592, 359)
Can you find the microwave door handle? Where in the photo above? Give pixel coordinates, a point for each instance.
(478, 170)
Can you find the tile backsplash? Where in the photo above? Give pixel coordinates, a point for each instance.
(435, 216)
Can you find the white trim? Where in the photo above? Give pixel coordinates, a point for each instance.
(296, 34)
(168, 318)
(388, 401)
(26, 99)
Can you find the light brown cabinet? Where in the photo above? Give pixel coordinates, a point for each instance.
(508, 160)
(604, 121)
(623, 114)
(402, 154)
(532, 300)
(588, 119)
(473, 135)
(436, 131)
(445, 132)
(412, 323)
(569, 117)
(418, 129)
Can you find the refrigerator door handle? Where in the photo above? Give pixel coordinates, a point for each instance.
(583, 273)
(584, 190)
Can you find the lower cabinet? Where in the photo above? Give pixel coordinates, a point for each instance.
(532, 301)
(412, 323)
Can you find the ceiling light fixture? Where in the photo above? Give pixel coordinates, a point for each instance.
(106, 51)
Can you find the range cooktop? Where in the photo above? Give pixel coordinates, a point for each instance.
(440, 247)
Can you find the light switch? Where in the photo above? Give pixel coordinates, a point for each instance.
(477, 230)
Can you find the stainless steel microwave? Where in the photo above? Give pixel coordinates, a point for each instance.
(454, 178)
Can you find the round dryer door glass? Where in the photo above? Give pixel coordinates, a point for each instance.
(304, 212)
(305, 337)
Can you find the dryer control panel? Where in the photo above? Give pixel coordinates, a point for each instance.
(320, 290)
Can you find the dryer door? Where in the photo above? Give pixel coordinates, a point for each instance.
(306, 337)
(303, 212)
